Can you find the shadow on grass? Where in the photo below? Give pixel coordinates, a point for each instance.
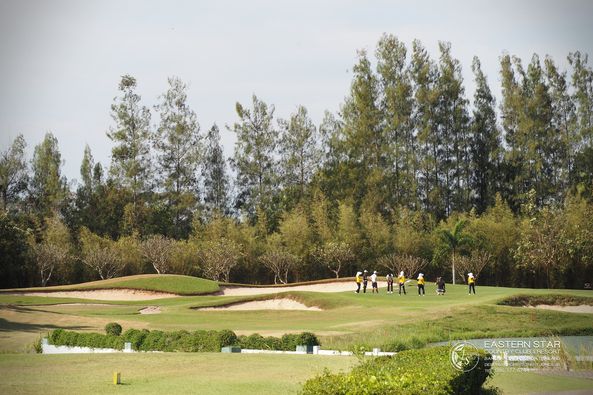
(10, 326)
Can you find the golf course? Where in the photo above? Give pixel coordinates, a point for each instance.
(340, 318)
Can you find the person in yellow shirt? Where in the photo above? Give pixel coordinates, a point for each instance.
(471, 282)
(401, 280)
(420, 282)
(358, 281)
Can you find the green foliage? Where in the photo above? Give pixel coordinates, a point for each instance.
(15, 253)
(287, 342)
(113, 328)
(135, 337)
(60, 337)
(408, 372)
(144, 340)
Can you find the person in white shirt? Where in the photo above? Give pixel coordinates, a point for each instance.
(374, 282)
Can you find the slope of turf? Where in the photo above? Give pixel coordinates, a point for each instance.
(172, 283)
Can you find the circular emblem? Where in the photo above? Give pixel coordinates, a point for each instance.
(462, 356)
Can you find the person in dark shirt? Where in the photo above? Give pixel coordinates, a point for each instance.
(365, 280)
(440, 286)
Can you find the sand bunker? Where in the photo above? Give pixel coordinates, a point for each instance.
(150, 310)
(103, 294)
(336, 286)
(270, 304)
(567, 309)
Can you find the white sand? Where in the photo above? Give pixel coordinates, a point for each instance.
(567, 309)
(150, 310)
(270, 304)
(336, 286)
(103, 294)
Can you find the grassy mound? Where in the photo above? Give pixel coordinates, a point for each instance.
(552, 300)
(172, 283)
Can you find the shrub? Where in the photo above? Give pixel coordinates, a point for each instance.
(113, 328)
(409, 372)
(135, 337)
(227, 338)
(254, 341)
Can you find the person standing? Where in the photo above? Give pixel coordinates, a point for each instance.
(358, 281)
(389, 278)
(401, 280)
(374, 286)
(420, 281)
(365, 281)
(471, 282)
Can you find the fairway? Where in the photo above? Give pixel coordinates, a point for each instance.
(342, 320)
(374, 320)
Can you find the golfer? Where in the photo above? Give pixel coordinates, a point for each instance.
(401, 280)
(358, 281)
(389, 278)
(374, 282)
(471, 282)
(440, 286)
(420, 282)
(365, 280)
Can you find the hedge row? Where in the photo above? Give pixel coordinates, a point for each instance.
(60, 337)
(424, 371)
(184, 341)
(287, 342)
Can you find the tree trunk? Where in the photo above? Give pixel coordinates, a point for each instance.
(453, 266)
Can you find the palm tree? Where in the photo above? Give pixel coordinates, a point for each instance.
(453, 240)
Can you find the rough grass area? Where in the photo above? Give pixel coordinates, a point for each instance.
(519, 383)
(172, 283)
(473, 322)
(179, 373)
(552, 300)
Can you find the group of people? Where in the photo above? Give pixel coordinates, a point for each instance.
(362, 279)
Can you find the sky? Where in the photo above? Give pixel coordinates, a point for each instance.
(61, 60)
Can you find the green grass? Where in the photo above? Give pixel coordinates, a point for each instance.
(347, 320)
(519, 383)
(172, 283)
(163, 373)
(384, 320)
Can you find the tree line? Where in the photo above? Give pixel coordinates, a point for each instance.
(409, 174)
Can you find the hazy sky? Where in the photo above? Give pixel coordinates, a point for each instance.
(61, 61)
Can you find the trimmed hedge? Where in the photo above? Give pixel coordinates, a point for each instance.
(288, 342)
(60, 337)
(144, 340)
(424, 371)
(184, 341)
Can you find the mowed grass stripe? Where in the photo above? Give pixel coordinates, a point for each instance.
(171, 283)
